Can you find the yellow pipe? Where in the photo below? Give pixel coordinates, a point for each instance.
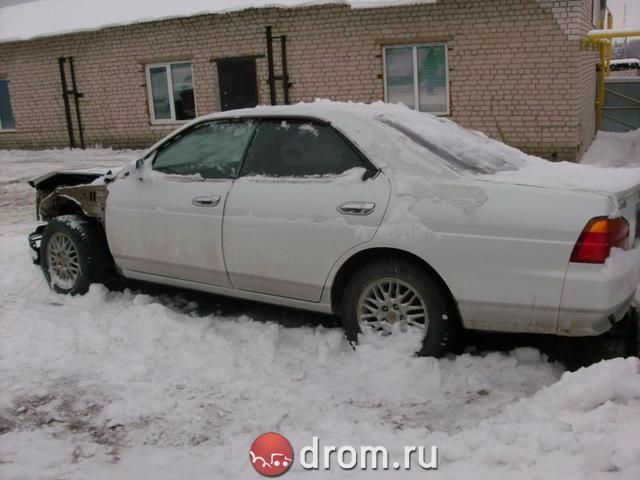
(605, 35)
(603, 39)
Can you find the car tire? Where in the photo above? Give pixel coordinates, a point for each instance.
(443, 325)
(73, 254)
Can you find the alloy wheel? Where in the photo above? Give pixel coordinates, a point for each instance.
(389, 303)
(63, 261)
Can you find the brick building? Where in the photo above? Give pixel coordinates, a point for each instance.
(510, 68)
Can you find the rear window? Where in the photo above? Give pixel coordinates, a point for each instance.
(464, 151)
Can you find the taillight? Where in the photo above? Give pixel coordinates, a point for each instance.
(598, 238)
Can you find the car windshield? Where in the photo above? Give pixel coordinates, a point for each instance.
(462, 150)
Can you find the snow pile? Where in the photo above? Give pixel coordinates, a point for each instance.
(584, 426)
(51, 17)
(613, 149)
(472, 152)
(123, 385)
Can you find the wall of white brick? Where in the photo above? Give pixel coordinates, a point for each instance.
(516, 68)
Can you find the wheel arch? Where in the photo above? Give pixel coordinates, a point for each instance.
(85, 200)
(57, 205)
(69, 206)
(357, 260)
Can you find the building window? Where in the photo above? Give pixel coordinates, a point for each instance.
(417, 76)
(171, 97)
(6, 114)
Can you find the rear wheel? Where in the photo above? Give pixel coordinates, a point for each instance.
(391, 297)
(73, 254)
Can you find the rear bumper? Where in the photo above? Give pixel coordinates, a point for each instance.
(582, 323)
(35, 238)
(595, 297)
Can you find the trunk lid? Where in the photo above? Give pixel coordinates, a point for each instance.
(621, 186)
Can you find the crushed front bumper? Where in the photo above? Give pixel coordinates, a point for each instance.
(35, 238)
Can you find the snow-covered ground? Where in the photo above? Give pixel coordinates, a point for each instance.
(154, 385)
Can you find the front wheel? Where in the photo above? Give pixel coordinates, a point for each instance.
(391, 296)
(73, 254)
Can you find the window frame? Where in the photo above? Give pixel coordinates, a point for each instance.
(371, 169)
(367, 164)
(416, 96)
(2, 129)
(172, 107)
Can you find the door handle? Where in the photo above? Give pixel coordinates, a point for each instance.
(206, 201)
(356, 208)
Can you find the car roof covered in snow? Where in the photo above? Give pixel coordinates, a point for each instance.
(398, 138)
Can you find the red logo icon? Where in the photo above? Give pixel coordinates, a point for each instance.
(271, 454)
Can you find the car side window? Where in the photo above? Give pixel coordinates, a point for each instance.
(211, 149)
(298, 148)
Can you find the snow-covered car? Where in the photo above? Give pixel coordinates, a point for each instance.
(394, 219)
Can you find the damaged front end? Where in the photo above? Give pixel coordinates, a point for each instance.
(64, 193)
(88, 200)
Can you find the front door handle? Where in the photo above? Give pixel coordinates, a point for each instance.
(357, 208)
(206, 201)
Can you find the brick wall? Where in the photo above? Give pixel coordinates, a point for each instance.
(516, 71)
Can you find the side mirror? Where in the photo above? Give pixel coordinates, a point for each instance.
(139, 169)
(108, 177)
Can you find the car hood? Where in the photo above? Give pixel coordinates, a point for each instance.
(56, 178)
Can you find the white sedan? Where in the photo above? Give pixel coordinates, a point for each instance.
(397, 220)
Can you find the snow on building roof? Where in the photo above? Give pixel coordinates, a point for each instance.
(55, 17)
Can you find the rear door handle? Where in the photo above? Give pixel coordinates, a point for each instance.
(356, 208)
(206, 201)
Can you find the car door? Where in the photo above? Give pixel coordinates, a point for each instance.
(305, 196)
(165, 217)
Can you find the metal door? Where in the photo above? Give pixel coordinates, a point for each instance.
(238, 83)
